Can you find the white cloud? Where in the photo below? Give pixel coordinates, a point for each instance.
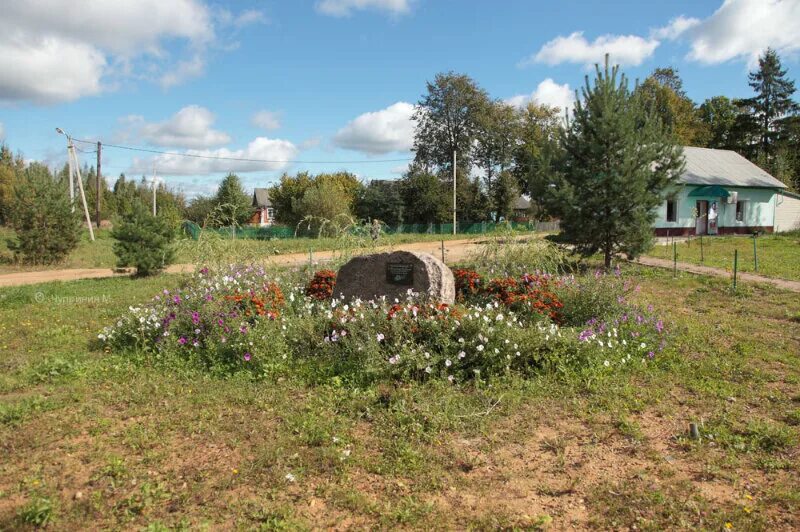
(276, 152)
(574, 48)
(384, 131)
(548, 92)
(61, 50)
(676, 27)
(48, 69)
(184, 70)
(344, 8)
(743, 29)
(240, 20)
(191, 127)
(266, 120)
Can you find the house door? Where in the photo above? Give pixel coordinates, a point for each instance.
(701, 222)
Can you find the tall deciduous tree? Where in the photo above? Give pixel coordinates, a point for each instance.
(719, 115)
(497, 137)
(662, 93)
(447, 120)
(424, 195)
(617, 162)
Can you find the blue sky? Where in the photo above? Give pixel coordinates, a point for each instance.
(333, 80)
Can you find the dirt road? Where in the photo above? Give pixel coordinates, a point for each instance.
(455, 250)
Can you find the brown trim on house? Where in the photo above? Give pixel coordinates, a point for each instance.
(690, 231)
(745, 230)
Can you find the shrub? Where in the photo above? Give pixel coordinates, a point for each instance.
(144, 241)
(42, 216)
(321, 285)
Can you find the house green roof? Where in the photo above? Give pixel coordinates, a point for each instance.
(707, 166)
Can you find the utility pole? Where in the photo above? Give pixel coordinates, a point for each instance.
(74, 166)
(454, 192)
(154, 189)
(97, 185)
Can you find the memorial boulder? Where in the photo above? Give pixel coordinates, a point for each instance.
(393, 275)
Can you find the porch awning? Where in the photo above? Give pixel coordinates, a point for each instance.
(713, 191)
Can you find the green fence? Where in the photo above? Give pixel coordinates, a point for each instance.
(281, 231)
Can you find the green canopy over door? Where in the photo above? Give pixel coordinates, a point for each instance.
(713, 191)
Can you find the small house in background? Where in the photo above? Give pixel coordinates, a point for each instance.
(721, 192)
(263, 213)
(522, 209)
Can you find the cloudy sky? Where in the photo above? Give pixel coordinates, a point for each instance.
(332, 80)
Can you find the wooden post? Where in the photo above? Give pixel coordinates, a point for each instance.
(701, 249)
(735, 266)
(97, 184)
(310, 258)
(442, 250)
(755, 253)
(674, 259)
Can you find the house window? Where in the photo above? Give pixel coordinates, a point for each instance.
(672, 210)
(740, 207)
(270, 213)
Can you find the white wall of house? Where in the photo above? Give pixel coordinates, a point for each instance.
(787, 212)
(759, 209)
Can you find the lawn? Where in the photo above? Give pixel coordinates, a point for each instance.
(778, 255)
(98, 440)
(99, 254)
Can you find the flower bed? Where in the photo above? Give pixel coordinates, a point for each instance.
(240, 319)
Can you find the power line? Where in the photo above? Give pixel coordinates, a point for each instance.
(240, 159)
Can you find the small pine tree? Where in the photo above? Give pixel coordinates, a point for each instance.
(144, 241)
(617, 161)
(42, 216)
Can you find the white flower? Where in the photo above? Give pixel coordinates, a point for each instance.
(448, 363)
(606, 363)
(450, 378)
(428, 369)
(461, 354)
(290, 477)
(643, 345)
(479, 348)
(517, 353)
(460, 340)
(380, 337)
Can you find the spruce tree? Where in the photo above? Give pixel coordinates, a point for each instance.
(233, 205)
(772, 102)
(617, 161)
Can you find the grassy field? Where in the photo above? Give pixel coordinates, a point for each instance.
(778, 255)
(99, 254)
(95, 440)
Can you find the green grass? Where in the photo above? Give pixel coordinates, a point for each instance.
(99, 254)
(94, 440)
(778, 255)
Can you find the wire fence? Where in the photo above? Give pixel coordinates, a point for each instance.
(270, 232)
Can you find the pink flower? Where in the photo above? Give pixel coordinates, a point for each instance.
(247, 357)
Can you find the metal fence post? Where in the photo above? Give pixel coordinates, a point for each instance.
(735, 266)
(674, 259)
(755, 253)
(701, 248)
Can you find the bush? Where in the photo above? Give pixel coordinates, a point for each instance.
(144, 241)
(42, 216)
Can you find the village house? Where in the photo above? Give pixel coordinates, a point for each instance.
(721, 192)
(263, 213)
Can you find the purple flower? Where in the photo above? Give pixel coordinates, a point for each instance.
(203, 271)
(651, 355)
(195, 317)
(659, 326)
(182, 340)
(585, 335)
(243, 329)
(176, 300)
(620, 300)
(247, 357)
